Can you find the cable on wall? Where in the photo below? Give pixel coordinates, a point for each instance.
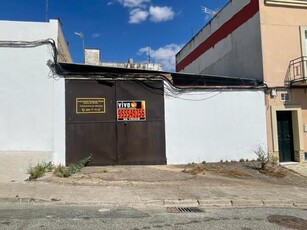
(170, 89)
(31, 44)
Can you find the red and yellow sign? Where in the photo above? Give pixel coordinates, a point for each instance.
(131, 110)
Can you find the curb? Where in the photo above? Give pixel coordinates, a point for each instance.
(181, 203)
(246, 203)
(24, 200)
(215, 203)
(222, 203)
(279, 203)
(238, 203)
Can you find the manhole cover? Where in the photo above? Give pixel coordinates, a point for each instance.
(288, 221)
(184, 209)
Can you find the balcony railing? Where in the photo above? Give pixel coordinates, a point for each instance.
(297, 72)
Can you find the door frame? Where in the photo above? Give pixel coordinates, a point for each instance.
(285, 144)
(297, 129)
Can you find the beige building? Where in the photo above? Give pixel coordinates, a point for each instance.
(265, 40)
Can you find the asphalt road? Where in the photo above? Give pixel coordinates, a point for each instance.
(37, 216)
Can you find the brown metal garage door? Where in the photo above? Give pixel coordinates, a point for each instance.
(119, 122)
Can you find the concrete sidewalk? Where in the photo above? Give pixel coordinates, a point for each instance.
(153, 186)
(153, 195)
(300, 168)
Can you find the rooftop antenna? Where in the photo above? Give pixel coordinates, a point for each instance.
(208, 11)
(81, 36)
(148, 53)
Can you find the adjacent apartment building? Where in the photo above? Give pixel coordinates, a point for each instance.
(264, 40)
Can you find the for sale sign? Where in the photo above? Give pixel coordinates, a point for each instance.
(131, 110)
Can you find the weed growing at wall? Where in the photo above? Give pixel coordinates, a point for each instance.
(264, 158)
(39, 170)
(63, 171)
(60, 171)
(262, 155)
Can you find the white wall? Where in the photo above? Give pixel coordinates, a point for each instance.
(32, 119)
(26, 102)
(211, 125)
(237, 55)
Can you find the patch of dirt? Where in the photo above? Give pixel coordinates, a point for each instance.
(216, 168)
(207, 174)
(119, 175)
(288, 221)
(253, 170)
(274, 170)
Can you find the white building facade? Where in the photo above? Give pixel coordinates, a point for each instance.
(32, 102)
(214, 125)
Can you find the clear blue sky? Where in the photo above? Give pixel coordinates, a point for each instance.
(121, 29)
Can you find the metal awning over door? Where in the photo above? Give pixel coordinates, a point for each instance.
(118, 122)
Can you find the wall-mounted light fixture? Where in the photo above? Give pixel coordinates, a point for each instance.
(273, 92)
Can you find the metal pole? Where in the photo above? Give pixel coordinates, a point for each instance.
(148, 53)
(81, 36)
(83, 46)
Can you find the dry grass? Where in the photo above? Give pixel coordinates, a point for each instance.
(278, 172)
(233, 172)
(219, 168)
(195, 170)
(226, 170)
(238, 169)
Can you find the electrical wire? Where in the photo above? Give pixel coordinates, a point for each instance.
(31, 44)
(169, 89)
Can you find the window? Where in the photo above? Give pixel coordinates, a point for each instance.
(303, 30)
(284, 96)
